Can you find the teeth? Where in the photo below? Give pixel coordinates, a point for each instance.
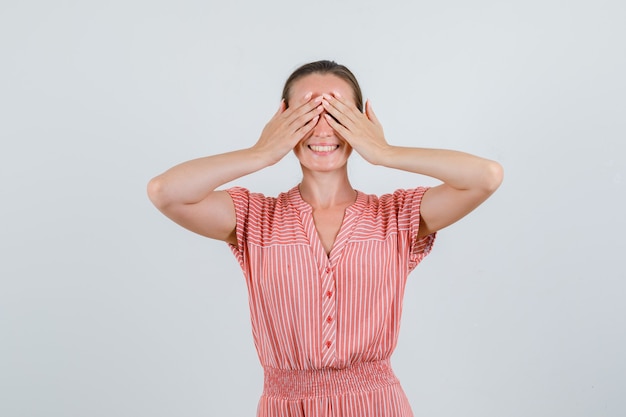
(326, 148)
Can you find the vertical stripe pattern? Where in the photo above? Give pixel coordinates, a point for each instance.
(328, 321)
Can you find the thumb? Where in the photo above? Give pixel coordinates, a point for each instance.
(369, 112)
(282, 107)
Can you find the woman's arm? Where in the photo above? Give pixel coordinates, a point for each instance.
(187, 192)
(468, 180)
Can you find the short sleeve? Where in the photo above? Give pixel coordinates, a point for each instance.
(408, 204)
(241, 201)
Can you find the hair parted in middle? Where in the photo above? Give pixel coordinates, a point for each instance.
(325, 67)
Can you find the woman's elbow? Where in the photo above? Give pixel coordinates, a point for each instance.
(156, 190)
(494, 174)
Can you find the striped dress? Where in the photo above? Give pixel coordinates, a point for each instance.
(325, 325)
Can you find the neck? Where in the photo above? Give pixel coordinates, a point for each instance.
(326, 189)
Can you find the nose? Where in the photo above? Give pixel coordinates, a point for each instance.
(322, 129)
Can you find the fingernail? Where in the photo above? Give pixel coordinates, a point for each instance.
(337, 94)
(308, 96)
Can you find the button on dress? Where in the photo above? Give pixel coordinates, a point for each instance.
(325, 325)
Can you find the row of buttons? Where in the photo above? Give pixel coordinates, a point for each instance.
(329, 319)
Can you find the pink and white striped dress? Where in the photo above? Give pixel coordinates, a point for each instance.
(325, 326)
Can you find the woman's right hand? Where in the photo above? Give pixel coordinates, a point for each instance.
(187, 192)
(288, 127)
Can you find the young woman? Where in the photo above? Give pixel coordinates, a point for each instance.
(325, 264)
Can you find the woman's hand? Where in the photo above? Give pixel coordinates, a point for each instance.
(362, 131)
(288, 127)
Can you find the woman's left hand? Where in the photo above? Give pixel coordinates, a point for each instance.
(362, 131)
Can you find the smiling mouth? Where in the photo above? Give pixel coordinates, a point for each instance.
(323, 148)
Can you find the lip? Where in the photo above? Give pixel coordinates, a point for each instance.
(323, 148)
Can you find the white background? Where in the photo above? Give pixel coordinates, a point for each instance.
(109, 309)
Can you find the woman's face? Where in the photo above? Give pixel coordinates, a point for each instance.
(322, 150)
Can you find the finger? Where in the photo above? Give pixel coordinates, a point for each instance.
(344, 106)
(302, 100)
(305, 112)
(307, 118)
(305, 130)
(296, 104)
(341, 111)
(341, 130)
(308, 127)
(335, 114)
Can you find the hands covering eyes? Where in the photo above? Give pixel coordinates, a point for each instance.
(362, 131)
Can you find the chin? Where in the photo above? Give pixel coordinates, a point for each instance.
(322, 167)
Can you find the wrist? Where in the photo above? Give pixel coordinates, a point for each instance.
(385, 156)
(263, 156)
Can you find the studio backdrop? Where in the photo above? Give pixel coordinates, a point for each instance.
(108, 309)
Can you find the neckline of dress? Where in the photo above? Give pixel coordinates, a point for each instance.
(351, 214)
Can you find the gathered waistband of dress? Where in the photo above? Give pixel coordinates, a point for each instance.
(303, 383)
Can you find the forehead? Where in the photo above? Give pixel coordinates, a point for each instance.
(321, 84)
